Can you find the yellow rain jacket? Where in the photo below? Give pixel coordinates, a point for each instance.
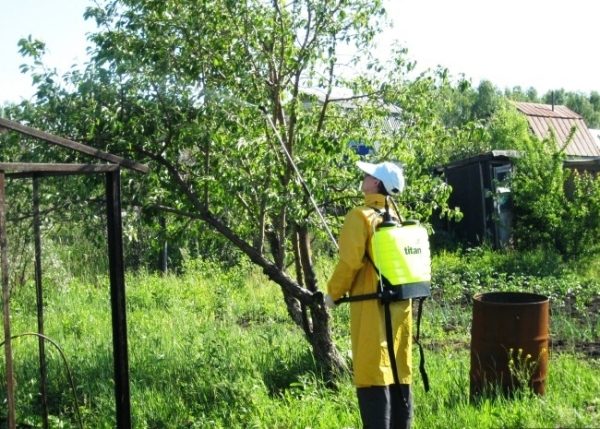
(354, 274)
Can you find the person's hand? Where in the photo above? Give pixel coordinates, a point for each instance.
(328, 300)
(325, 298)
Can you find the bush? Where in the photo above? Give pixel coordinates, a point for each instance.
(553, 206)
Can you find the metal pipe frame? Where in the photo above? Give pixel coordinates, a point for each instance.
(117, 290)
(40, 299)
(117, 295)
(10, 376)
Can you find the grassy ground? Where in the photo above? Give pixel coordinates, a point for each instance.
(214, 348)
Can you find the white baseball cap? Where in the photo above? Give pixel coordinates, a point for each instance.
(390, 174)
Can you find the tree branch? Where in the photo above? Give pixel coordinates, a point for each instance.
(270, 269)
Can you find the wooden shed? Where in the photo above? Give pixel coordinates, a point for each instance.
(480, 190)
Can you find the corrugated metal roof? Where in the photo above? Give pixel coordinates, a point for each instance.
(561, 119)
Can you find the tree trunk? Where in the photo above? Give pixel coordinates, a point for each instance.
(324, 349)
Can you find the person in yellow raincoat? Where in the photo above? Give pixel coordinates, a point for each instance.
(382, 403)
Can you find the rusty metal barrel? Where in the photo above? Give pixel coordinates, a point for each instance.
(509, 343)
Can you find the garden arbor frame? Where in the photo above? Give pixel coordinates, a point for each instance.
(35, 171)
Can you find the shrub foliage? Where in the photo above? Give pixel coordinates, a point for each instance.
(554, 206)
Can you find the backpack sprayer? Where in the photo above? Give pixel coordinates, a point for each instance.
(402, 260)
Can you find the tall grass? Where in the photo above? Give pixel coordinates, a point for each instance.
(215, 348)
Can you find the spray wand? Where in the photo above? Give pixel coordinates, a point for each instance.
(264, 112)
(298, 175)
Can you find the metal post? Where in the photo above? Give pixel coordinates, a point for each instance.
(40, 300)
(10, 376)
(117, 294)
(164, 251)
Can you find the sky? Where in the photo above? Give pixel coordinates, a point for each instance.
(545, 44)
(58, 23)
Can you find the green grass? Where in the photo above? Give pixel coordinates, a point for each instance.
(571, 399)
(215, 348)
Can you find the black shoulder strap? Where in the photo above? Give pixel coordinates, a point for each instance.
(422, 369)
(389, 339)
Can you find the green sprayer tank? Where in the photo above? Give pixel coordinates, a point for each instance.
(402, 255)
